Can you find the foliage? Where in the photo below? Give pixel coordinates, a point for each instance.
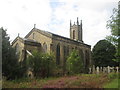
(74, 62)
(103, 53)
(41, 64)
(10, 65)
(114, 25)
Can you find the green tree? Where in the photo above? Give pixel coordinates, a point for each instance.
(74, 63)
(114, 25)
(10, 65)
(43, 65)
(103, 53)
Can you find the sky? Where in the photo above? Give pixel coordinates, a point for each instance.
(19, 16)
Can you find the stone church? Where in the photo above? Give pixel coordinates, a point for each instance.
(47, 42)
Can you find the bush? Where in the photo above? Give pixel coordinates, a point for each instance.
(74, 63)
(42, 65)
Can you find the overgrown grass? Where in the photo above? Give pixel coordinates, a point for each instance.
(26, 83)
(112, 84)
(74, 81)
(114, 81)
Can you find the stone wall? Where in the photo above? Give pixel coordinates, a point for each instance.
(41, 39)
(66, 46)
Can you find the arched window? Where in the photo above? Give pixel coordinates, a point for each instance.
(44, 47)
(73, 34)
(58, 54)
(87, 58)
(65, 53)
(17, 48)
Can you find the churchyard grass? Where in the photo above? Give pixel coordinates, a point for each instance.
(114, 81)
(73, 81)
(113, 84)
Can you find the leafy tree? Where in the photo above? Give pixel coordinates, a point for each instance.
(42, 64)
(74, 62)
(103, 53)
(10, 66)
(114, 25)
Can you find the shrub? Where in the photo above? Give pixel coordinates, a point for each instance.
(74, 63)
(42, 65)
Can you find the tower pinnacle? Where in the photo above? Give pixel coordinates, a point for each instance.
(77, 21)
(70, 23)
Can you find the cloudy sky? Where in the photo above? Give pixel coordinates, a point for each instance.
(19, 16)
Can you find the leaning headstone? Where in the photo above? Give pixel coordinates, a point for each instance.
(97, 69)
(108, 69)
(117, 69)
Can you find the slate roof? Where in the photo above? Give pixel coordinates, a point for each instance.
(50, 35)
(53, 36)
(26, 41)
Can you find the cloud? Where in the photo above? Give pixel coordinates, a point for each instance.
(19, 16)
(93, 14)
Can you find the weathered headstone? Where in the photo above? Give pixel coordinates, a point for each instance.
(117, 69)
(108, 69)
(104, 69)
(90, 70)
(97, 69)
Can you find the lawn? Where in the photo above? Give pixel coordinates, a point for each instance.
(75, 81)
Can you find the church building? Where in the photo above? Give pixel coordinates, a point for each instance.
(47, 42)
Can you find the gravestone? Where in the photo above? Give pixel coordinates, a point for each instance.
(90, 70)
(117, 69)
(97, 69)
(104, 69)
(108, 69)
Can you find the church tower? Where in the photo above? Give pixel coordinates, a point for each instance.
(76, 31)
